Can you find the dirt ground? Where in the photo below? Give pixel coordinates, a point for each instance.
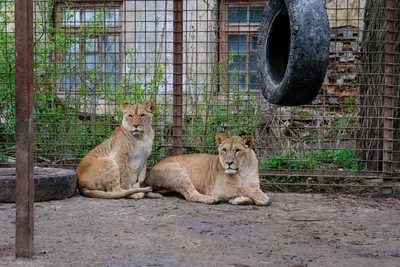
(304, 229)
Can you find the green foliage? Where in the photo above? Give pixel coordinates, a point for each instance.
(312, 160)
(57, 131)
(354, 180)
(133, 87)
(231, 111)
(7, 80)
(61, 133)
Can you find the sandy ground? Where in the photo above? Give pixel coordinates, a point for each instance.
(303, 229)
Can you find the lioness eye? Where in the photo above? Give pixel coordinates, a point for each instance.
(130, 116)
(237, 151)
(142, 115)
(224, 149)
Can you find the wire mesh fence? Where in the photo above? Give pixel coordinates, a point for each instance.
(197, 61)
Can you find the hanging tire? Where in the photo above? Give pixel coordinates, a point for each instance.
(49, 184)
(293, 51)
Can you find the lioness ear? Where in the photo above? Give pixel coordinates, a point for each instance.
(151, 106)
(219, 138)
(248, 140)
(124, 104)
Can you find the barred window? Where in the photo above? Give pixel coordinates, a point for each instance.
(90, 56)
(240, 25)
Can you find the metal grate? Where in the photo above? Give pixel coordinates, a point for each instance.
(196, 60)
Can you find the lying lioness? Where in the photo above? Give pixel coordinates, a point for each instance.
(232, 176)
(116, 167)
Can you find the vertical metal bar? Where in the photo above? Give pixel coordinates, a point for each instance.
(24, 128)
(388, 96)
(177, 77)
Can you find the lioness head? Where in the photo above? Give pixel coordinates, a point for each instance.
(137, 116)
(232, 151)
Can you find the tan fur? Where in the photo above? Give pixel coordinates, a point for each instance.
(232, 176)
(116, 167)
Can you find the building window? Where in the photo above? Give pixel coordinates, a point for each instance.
(244, 15)
(240, 25)
(90, 55)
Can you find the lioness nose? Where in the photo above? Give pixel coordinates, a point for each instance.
(229, 162)
(135, 125)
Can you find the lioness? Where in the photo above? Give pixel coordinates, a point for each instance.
(232, 176)
(116, 167)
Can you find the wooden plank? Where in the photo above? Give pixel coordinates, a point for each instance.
(24, 128)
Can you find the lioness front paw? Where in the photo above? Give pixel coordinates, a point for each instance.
(241, 201)
(260, 198)
(154, 195)
(205, 199)
(264, 202)
(137, 196)
(210, 200)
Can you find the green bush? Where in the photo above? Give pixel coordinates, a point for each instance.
(7, 83)
(61, 132)
(312, 160)
(221, 108)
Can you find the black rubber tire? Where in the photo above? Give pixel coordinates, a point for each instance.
(49, 184)
(293, 51)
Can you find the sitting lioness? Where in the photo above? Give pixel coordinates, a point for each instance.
(116, 167)
(232, 176)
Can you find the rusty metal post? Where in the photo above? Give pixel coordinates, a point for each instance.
(388, 96)
(24, 128)
(177, 77)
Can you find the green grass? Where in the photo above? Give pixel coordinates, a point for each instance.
(311, 160)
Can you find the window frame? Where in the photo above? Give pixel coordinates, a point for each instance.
(226, 29)
(116, 30)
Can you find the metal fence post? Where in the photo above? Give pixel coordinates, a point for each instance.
(24, 128)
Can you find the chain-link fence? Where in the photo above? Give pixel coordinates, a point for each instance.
(197, 61)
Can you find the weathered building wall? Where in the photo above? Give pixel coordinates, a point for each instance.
(346, 12)
(149, 40)
(149, 36)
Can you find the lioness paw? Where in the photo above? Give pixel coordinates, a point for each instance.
(154, 195)
(212, 200)
(137, 196)
(241, 201)
(208, 199)
(260, 198)
(264, 202)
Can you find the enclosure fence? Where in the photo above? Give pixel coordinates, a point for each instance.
(197, 61)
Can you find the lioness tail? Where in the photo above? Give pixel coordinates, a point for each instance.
(113, 195)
